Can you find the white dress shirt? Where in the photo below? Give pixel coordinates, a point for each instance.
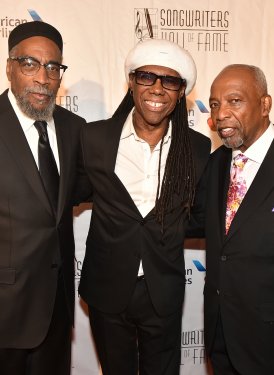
(31, 133)
(137, 167)
(256, 154)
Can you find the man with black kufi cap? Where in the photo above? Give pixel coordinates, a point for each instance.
(144, 164)
(36, 233)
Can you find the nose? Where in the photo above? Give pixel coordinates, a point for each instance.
(157, 87)
(42, 76)
(221, 113)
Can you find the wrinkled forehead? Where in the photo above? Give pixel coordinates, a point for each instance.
(234, 79)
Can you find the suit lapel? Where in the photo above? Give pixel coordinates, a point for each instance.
(64, 147)
(224, 179)
(257, 192)
(15, 141)
(112, 139)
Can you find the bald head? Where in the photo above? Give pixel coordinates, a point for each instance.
(258, 77)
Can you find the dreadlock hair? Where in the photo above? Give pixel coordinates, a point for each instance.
(125, 106)
(179, 174)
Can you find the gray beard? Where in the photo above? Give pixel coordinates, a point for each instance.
(34, 113)
(234, 145)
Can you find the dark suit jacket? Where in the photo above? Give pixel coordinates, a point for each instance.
(240, 267)
(32, 240)
(119, 236)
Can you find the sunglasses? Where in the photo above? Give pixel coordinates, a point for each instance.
(148, 79)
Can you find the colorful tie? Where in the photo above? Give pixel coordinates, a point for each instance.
(47, 165)
(237, 189)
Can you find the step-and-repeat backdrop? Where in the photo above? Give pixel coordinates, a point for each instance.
(97, 36)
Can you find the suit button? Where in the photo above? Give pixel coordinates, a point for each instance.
(54, 265)
(223, 258)
(142, 222)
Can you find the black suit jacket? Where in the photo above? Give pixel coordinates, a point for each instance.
(240, 267)
(33, 243)
(119, 236)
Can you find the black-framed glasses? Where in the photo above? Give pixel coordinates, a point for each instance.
(30, 66)
(148, 79)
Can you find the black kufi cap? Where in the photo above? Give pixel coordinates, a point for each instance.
(35, 28)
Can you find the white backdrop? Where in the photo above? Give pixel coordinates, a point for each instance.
(97, 36)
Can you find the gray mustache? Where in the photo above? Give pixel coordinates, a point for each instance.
(39, 90)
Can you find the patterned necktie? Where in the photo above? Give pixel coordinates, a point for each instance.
(237, 189)
(47, 165)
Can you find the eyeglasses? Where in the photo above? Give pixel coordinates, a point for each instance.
(168, 82)
(30, 66)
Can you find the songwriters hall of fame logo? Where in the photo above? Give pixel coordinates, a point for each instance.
(145, 20)
(199, 29)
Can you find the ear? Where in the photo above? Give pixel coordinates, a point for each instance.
(266, 105)
(211, 124)
(130, 81)
(9, 69)
(181, 93)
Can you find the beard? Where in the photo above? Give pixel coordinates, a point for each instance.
(233, 142)
(44, 114)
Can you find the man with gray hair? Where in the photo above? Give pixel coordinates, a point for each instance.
(39, 145)
(239, 288)
(144, 164)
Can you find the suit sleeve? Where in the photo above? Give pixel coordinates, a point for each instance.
(201, 150)
(196, 226)
(83, 190)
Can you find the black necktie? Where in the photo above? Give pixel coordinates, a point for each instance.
(47, 165)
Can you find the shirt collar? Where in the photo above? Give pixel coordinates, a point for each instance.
(128, 129)
(25, 121)
(259, 148)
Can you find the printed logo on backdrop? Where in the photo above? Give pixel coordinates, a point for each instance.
(193, 347)
(193, 29)
(192, 112)
(8, 23)
(192, 342)
(190, 272)
(69, 102)
(77, 270)
(146, 23)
